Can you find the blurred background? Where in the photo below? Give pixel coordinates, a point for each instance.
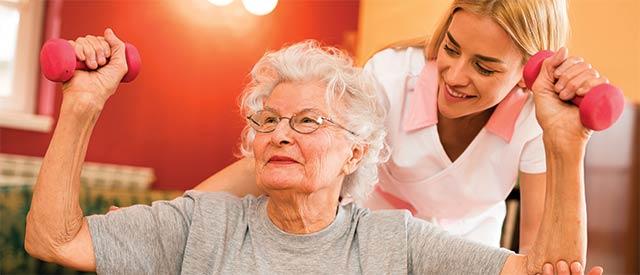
(178, 122)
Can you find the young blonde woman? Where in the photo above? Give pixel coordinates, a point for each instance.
(462, 125)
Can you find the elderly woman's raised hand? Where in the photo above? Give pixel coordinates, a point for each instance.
(107, 55)
(563, 78)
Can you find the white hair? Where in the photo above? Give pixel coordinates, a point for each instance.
(354, 94)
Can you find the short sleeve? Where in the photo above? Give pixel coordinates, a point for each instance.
(533, 160)
(142, 239)
(369, 66)
(370, 70)
(434, 251)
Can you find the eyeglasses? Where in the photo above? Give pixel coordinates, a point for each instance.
(305, 122)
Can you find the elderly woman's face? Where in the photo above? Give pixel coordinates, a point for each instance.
(305, 163)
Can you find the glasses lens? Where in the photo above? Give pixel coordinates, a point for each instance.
(264, 121)
(307, 121)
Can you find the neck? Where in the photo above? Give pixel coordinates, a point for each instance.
(298, 213)
(457, 133)
(467, 124)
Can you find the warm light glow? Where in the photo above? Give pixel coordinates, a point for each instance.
(260, 7)
(220, 2)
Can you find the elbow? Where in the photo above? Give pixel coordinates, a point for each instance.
(35, 243)
(31, 247)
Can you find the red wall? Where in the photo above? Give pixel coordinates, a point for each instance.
(181, 116)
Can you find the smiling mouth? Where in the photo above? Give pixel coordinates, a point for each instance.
(455, 94)
(281, 160)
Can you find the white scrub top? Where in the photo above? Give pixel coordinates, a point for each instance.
(465, 197)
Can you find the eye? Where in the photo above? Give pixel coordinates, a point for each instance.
(270, 119)
(307, 119)
(482, 70)
(450, 51)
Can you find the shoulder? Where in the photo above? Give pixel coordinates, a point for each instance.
(527, 126)
(382, 221)
(204, 197)
(395, 60)
(221, 204)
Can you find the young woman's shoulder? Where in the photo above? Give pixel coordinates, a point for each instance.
(396, 55)
(390, 58)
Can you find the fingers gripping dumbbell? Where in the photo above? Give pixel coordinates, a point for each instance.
(599, 108)
(58, 61)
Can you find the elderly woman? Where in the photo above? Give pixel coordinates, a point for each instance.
(316, 132)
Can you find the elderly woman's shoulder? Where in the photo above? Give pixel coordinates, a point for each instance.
(219, 199)
(385, 219)
(386, 222)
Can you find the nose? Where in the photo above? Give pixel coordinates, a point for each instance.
(457, 75)
(282, 134)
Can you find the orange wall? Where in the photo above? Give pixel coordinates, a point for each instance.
(606, 33)
(180, 116)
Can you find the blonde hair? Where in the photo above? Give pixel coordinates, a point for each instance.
(533, 25)
(349, 89)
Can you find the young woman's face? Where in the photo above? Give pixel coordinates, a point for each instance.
(478, 65)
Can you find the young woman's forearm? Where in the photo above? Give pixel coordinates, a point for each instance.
(532, 193)
(55, 216)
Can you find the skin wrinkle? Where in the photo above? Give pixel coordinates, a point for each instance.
(322, 191)
(73, 221)
(301, 192)
(57, 232)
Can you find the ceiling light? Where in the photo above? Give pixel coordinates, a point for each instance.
(260, 7)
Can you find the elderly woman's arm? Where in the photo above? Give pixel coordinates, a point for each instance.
(135, 240)
(56, 229)
(562, 234)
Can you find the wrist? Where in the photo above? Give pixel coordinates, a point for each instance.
(80, 104)
(565, 146)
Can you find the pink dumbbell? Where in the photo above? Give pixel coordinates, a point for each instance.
(599, 108)
(58, 61)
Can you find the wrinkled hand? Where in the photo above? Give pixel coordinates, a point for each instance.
(107, 55)
(562, 268)
(562, 78)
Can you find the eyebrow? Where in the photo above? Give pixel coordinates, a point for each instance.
(481, 57)
(267, 108)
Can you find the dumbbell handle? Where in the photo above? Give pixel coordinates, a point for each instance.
(58, 61)
(599, 108)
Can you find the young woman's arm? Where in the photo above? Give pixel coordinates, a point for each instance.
(532, 192)
(238, 179)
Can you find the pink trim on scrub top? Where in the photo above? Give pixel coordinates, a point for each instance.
(423, 108)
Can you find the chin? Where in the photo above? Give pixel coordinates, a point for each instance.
(446, 111)
(278, 181)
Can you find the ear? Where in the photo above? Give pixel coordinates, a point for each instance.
(521, 84)
(358, 151)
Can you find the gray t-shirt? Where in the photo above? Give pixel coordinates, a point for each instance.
(217, 233)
